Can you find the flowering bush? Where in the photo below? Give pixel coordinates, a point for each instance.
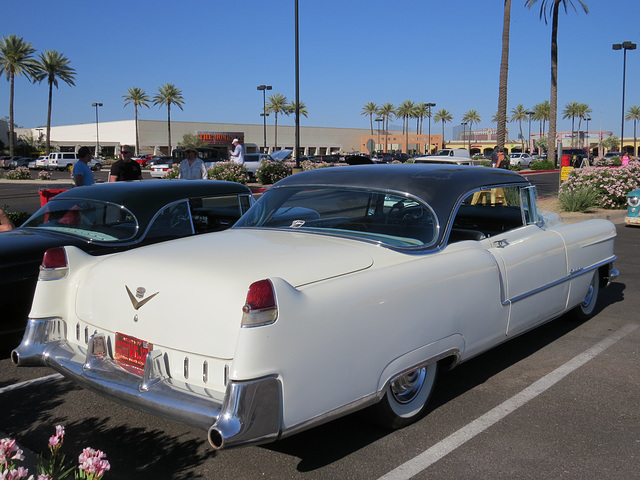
(43, 175)
(20, 173)
(174, 172)
(608, 162)
(271, 172)
(229, 171)
(92, 464)
(611, 184)
(309, 165)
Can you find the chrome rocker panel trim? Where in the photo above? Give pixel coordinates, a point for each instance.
(249, 412)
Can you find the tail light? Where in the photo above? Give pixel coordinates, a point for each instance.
(260, 307)
(54, 264)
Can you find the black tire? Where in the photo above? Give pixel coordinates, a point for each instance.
(406, 399)
(585, 310)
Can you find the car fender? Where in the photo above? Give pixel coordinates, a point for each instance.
(450, 346)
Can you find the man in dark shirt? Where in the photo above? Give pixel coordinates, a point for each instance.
(125, 168)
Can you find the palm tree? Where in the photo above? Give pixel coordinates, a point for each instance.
(139, 98)
(370, 109)
(471, 117)
(542, 111)
(53, 66)
(277, 104)
(419, 112)
(501, 115)
(554, 6)
(291, 109)
(16, 58)
(571, 111)
(385, 111)
(634, 114)
(443, 115)
(517, 115)
(404, 112)
(168, 94)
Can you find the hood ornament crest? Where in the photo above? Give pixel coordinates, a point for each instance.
(140, 291)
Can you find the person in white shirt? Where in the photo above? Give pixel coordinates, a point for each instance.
(237, 154)
(192, 167)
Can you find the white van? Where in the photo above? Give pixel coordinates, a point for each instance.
(62, 160)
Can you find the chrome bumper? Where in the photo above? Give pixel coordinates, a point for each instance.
(249, 412)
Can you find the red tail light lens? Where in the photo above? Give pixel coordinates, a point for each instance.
(260, 307)
(54, 264)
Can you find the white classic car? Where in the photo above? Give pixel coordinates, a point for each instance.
(341, 289)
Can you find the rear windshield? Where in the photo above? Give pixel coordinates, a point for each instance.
(388, 218)
(89, 219)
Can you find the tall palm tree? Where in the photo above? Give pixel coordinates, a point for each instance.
(541, 113)
(168, 94)
(518, 114)
(52, 65)
(277, 104)
(290, 109)
(370, 109)
(138, 98)
(471, 117)
(443, 115)
(553, 6)
(571, 111)
(504, 74)
(404, 112)
(16, 58)
(419, 112)
(634, 114)
(582, 109)
(385, 111)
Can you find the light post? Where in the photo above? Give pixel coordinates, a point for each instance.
(464, 132)
(39, 130)
(378, 120)
(624, 46)
(530, 113)
(429, 105)
(586, 117)
(264, 113)
(297, 84)
(97, 135)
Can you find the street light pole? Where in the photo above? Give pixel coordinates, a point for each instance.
(429, 105)
(96, 104)
(297, 112)
(378, 120)
(464, 132)
(586, 118)
(624, 46)
(264, 111)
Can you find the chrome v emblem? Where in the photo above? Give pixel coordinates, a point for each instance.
(138, 303)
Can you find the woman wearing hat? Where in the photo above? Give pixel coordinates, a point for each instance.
(192, 167)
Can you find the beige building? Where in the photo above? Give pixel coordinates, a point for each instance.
(154, 138)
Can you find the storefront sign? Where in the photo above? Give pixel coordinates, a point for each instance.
(220, 138)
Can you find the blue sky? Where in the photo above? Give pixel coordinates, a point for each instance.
(351, 53)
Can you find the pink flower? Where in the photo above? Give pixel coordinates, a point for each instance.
(93, 463)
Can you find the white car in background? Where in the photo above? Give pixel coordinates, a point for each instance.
(42, 162)
(523, 159)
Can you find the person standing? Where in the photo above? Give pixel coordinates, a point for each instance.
(237, 154)
(192, 167)
(82, 174)
(125, 168)
(625, 158)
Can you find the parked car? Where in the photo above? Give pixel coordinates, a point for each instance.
(95, 164)
(19, 162)
(5, 162)
(382, 157)
(105, 218)
(162, 166)
(42, 162)
(143, 159)
(633, 208)
(62, 160)
(341, 288)
(523, 159)
(252, 162)
(576, 155)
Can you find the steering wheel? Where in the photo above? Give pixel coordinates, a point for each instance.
(395, 213)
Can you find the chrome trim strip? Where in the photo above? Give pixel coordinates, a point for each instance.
(575, 273)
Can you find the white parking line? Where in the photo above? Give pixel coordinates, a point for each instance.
(466, 433)
(27, 383)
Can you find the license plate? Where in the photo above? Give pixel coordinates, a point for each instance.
(131, 351)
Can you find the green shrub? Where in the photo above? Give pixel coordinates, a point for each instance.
(542, 165)
(18, 218)
(579, 200)
(271, 172)
(229, 171)
(515, 168)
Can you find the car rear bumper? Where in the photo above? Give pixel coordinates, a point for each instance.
(248, 412)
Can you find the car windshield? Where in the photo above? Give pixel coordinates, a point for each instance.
(392, 219)
(89, 219)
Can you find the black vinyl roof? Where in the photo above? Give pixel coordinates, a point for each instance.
(440, 186)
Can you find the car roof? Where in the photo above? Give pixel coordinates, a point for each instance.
(440, 186)
(144, 197)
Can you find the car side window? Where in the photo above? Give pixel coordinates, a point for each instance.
(489, 212)
(213, 214)
(172, 221)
